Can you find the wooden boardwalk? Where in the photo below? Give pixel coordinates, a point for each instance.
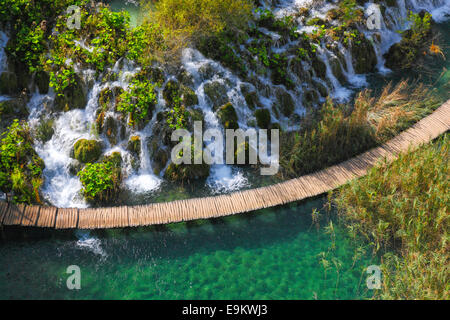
(242, 201)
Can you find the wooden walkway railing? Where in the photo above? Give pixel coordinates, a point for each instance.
(243, 201)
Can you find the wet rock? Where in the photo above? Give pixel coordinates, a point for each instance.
(8, 83)
(10, 110)
(87, 151)
(207, 71)
(263, 118)
(285, 104)
(186, 172)
(134, 145)
(185, 78)
(321, 88)
(73, 97)
(106, 99)
(217, 93)
(159, 161)
(363, 55)
(320, 68)
(228, 117)
(110, 129)
(171, 91)
(336, 69)
(310, 98)
(42, 80)
(188, 96)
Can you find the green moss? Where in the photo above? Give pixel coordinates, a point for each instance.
(134, 145)
(263, 118)
(87, 151)
(228, 117)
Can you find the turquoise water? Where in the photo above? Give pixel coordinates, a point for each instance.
(271, 254)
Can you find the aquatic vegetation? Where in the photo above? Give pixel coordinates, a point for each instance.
(20, 166)
(401, 209)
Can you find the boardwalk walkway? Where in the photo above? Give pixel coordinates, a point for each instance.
(243, 201)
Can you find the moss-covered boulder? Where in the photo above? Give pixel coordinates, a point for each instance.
(87, 151)
(188, 96)
(111, 129)
(216, 91)
(363, 55)
(285, 104)
(106, 99)
(228, 116)
(42, 80)
(159, 161)
(319, 67)
(185, 78)
(186, 172)
(10, 110)
(262, 118)
(8, 83)
(134, 145)
(171, 91)
(73, 97)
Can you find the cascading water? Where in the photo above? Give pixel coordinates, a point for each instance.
(62, 188)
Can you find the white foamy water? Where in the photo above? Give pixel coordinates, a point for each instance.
(89, 243)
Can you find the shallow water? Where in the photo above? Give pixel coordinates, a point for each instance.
(271, 254)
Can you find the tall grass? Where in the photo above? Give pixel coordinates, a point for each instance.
(339, 132)
(402, 209)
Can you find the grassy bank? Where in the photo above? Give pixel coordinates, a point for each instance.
(401, 209)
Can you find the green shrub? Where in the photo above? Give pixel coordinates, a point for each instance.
(101, 181)
(20, 166)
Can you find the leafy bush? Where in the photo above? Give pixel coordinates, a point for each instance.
(402, 210)
(101, 181)
(20, 166)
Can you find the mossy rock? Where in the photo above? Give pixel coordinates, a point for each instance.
(310, 98)
(156, 75)
(363, 55)
(207, 71)
(217, 93)
(228, 116)
(42, 80)
(285, 104)
(10, 110)
(114, 158)
(320, 68)
(73, 97)
(195, 115)
(110, 128)
(106, 99)
(87, 151)
(8, 83)
(171, 91)
(186, 172)
(336, 69)
(262, 118)
(185, 78)
(44, 130)
(322, 89)
(134, 145)
(188, 96)
(159, 162)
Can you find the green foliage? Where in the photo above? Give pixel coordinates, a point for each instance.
(101, 181)
(177, 116)
(139, 100)
(401, 209)
(20, 166)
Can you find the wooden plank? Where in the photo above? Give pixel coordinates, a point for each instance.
(3, 210)
(30, 216)
(14, 215)
(67, 218)
(46, 217)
